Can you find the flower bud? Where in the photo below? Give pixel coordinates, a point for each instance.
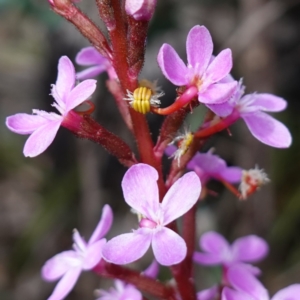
(140, 10)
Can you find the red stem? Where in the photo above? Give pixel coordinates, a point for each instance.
(221, 125)
(88, 29)
(142, 282)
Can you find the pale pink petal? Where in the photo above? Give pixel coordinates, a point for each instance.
(140, 189)
(130, 293)
(199, 48)
(93, 254)
(181, 197)
(208, 162)
(231, 174)
(214, 243)
(172, 65)
(207, 259)
(291, 292)
(229, 294)
(90, 56)
(103, 225)
(217, 93)
(79, 242)
(65, 78)
(208, 294)
(91, 72)
(170, 150)
(127, 248)
(80, 93)
(65, 285)
(25, 123)
(268, 130)
(58, 265)
(41, 139)
(250, 248)
(168, 247)
(219, 67)
(140, 10)
(221, 110)
(152, 270)
(242, 280)
(269, 102)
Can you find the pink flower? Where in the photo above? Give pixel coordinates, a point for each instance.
(208, 166)
(68, 265)
(43, 126)
(141, 193)
(140, 10)
(252, 108)
(247, 287)
(208, 294)
(217, 250)
(96, 63)
(202, 71)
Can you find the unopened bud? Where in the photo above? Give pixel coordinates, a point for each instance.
(140, 10)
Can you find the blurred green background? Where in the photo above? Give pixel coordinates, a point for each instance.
(43, 199)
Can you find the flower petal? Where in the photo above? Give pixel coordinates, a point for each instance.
(208, 294)
(230, 294)
(127, 248)
(199, 48)
(65, 78)
(217, 93)
(268, 130)
(219, 67)
(65, 285)
(41, 139)
(221, 110)
(140, 189)
(242, 280)
(152, 270)
(168, 247)
(93, 254)
(180, 198)
(58, 265)
(91, 72)
(172, 65)
(103, 225)
(250, 248)
(291, 292)
(80, 93)
(207, 259)
(231, 174)
(214, 243)
(25, 123)
(269, 102)
(90, 56)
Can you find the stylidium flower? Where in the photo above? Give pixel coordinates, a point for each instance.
(68, 265)
(247, 287)
(251, 108)
(141, 193)
(208, 294)
(43, 126)
(210, 166)
(217, 250)
(140, 10)
(96, 63)
(202, 71)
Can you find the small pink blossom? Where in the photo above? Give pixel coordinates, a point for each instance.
(141, 193)
(252, 108)
(140, 10)
(43, 126)
(210, 166)
(96, 63)
(208, 294)
(68, 265)
(247, 287)
(217, 250)
(202, 71)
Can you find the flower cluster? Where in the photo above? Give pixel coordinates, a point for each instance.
(158, 198)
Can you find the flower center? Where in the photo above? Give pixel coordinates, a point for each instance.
(146, 223)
